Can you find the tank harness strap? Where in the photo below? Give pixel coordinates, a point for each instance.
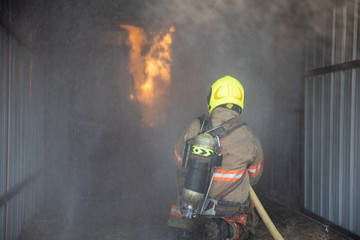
(205, 123)
(227, 208)
(226, 127)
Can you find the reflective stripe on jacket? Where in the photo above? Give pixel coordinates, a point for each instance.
(228, 175)
(177, 155)
(175, 211)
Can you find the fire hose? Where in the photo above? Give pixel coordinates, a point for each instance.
(264, 216)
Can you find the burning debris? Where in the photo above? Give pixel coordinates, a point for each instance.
(151, 72)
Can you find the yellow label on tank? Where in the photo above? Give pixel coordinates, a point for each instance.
(202, 151)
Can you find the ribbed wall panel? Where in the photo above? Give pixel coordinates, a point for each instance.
(332, 118)
(3, 119)
(21, 135)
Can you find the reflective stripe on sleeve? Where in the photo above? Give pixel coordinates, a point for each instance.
(177, 155)
(253, 170)
(175, 211)
(228, 175)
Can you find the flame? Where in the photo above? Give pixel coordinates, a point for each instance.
(151, 72)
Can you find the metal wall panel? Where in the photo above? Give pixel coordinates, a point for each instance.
(3, 118)
(21, 135)
(332, 117)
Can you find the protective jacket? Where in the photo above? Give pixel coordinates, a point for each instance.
(242, 160)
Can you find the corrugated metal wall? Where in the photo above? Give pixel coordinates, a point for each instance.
(21, 135)
(332, 115)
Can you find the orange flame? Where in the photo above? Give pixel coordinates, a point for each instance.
(151, 73)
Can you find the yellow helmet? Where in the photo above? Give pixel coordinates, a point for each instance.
(226, 91)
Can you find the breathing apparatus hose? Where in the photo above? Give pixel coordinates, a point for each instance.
(264, 216)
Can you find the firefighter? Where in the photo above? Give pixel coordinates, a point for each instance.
(229, 213)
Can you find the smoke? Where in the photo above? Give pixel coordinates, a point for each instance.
(217, 38)
(261, 44)
(97, 148)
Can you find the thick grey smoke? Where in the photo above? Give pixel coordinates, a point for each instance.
(217, 38)
(99, 151)
(261, 44)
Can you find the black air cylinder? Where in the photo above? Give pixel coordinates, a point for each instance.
(198, 170)
(197, 176)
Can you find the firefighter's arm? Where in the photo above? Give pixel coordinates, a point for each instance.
(255, 169)
(191, 130)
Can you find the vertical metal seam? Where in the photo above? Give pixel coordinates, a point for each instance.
(333, 37)
(352, 148)
(7, 132)
(323, 125)
(313, 137)
(352, 123)
(357, 155)
(10, 52)
(12, 162)
(322, 143)
(306, 123)
(331, 214)
(313, 146)
(341, 147)
(20, 143)
(342, 123)
(306, 187)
